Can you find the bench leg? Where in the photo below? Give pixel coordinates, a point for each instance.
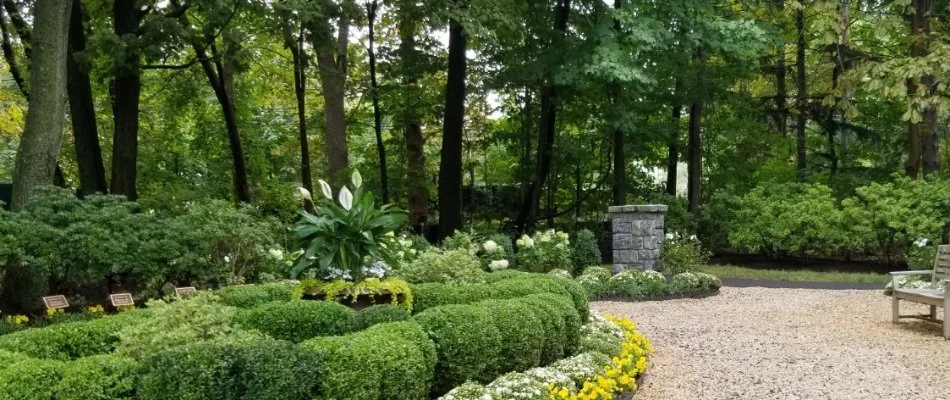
(946, 318)
(933, 312)
(895, 309)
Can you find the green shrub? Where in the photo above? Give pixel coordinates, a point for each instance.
(298, 320)
(6, 328)
(584, 250)
(379, 314)
(467, 342)
(8, 357)
(197, 318)
(450, 266)
(429, 295)
(460, 241)
(102, 377)
(554, 329)
(636, 283)
(71, 340)
(560, 273)
(681, 254)
(386, 361)
(579, 296)
(504, 243)
(572, 320)
(249, 296)
(545, 251)
(685, 282)
(432, 295)
(594, 281)
(30, 379)
(521, 343)
(263, 369)
(708, 281)
(507, 274)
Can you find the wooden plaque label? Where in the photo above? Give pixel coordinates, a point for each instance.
(181, 291)
(121, 299)
(54, 302)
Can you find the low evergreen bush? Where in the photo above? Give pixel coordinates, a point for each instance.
(467, 341)
(298, 320)
(379, 314)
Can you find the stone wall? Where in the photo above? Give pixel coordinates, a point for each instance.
(637, 235)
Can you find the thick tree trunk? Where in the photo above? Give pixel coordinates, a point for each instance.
(82, 109)
(450, 165)
(695, 162)
(300, 92)
(42, 138)
(801, 97)
(332, 63)
(928, 125)
(416, 177)
(126, 89)
(673, 151)
(377, 118)
(549, 103)
(781, 93)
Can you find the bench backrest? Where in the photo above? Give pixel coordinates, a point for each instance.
(942, 263)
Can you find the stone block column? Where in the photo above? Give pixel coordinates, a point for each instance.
(638, 232)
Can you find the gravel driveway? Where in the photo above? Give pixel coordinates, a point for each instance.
(758, 343)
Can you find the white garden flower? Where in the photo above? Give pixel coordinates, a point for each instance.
(302, 194)
(357, 179)
(391, 234)
(346, 198)
(277, 254)
(669, 236)
(400, 254)
(490, 246)
(498, 264)
(227, 259)
(692, 237)
(325, 188)
(921, 242)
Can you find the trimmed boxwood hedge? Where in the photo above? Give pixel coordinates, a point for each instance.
(379, 314)
(554, 328)
(521, 341)
(98, 377)
(387, 361)
(30, 379)
(298, 320)
(467, 341)
(71, 340)
(250, 296)
(265, 369)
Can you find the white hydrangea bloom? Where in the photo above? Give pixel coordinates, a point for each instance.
(490, 246)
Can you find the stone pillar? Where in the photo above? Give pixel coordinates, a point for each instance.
(637, 235)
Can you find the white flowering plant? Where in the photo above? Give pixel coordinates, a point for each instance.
(637, 283)
(544, 251)
(681, 253)
(343, 238)
(921, 254)
(493, 256)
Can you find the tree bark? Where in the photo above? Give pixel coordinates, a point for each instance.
(801, 97)
(620, 169)
(415, 142)
(10, 56)
(928, 126)
(126, 89)
(82, 109)
(42, 138)
(673, 151)
(549, 102)
(300, 92)
(781, 93)
(221, 77)
(450, 165)
(377, 118)
(332, 63)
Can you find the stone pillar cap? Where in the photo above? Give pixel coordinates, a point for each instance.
(645, 208)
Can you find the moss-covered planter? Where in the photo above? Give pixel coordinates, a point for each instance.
(357, 295)
(360, 301)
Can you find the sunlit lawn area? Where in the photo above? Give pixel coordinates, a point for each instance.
(731, 271)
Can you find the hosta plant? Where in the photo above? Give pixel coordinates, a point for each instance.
(340, 240)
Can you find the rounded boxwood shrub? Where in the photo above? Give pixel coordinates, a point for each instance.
(572, 321)
(298, 320)
(379, 314)
(8, 358)
(102, 377)
(264, 369)
(636, 283)
(30, 379)
(521, 344)
(467, 342)
(72, 340)
(429, 295)
(508, 274)
(249, 296)
(386, 361)
(578, 296)
(584, 250)
(708, 281)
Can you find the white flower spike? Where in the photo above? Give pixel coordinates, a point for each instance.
(346, 198)
(303, 194)
(357, 179)
(325, 188)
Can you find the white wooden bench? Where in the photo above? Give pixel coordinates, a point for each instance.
(932, 297)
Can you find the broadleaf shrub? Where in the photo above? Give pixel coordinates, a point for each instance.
(681, 254)
(544, 251)
(30, 379)
(298, 320)
(72, 340)
(584, 250)
(249, 296)
(98, 377)
(379, 314)
(450, 266)
(467, 341)
(521, 344)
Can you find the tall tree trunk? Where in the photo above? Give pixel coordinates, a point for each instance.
(620, 169)
(928, 126)
(673, 151)
(300, 92)
(42, 138)
(377, 118)
(10, 56)
(221, 78)
(450, 165)
(92, 174)
(126, 89)
(917, 132)
(415, 142)
(695, 164)
(332, 63)
(801, 96)
(549, 101)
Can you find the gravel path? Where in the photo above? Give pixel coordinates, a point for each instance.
(760, 343)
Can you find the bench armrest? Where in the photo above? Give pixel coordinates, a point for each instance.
(918, 272)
